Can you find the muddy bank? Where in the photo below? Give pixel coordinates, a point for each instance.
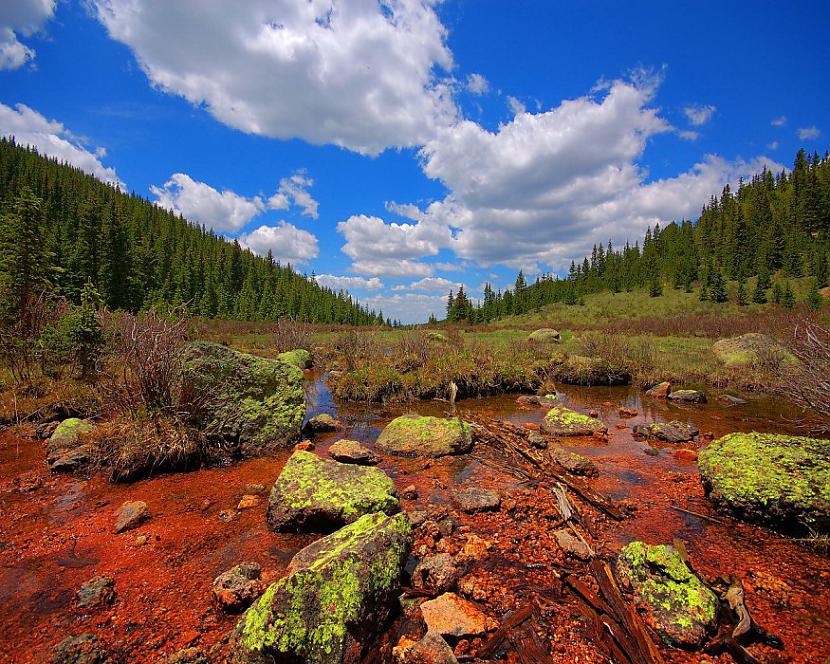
(56, 534)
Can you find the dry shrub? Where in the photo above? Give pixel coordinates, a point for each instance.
(635, 355)
(20, 335)
(290, 334)
(806, 381)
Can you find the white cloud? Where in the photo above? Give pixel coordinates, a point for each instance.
(779, 122)
(21, 18)
(516, 106)
(688, 135)
(295, 190)
(809, 133)
(408, 307)
(438, 284)
(336, 282)
(287, 243)
(361, 74)
(199, 202)
(699, 115)
(477, 84)
(51, 138)
(391, 267)
(773, 145)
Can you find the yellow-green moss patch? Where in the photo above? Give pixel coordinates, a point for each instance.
(414, 435)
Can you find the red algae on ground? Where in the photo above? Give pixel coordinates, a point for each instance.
(56, 533)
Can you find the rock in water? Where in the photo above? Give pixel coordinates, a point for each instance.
(677, 605)
(131, 515)
(413, 435)
(581, 370)
(669, 432)
(339, 592)
(783, 481)
(237, 588)
(351, 451)
(561, 421)
(322, 423)
(659, 391)
(256, 403)
(318, 495)
(544, 335)
(687, 396)
(299, 358)
(574, 463)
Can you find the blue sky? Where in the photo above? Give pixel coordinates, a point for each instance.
(402, 148)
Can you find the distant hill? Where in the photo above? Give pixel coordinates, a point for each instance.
(138, 254)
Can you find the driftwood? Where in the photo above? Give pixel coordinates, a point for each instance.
(699, 515)
(524, 639)
(745, 632)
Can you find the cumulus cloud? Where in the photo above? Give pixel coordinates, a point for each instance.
(360, 74)
(391, 267)
(688, 135)
(51, 138)
(438, 284)
(809, 133)
(336, 282)
(287, 243)
(699, 115)
(199, 202)
(21, 18)
(408, 307)
(516, 106)
(295, 190)
(477, 84)
(779, 121)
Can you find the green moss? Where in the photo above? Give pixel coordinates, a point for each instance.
(680, 605)
(299, 358)
(425, 435)
(770, 477)
(68, 434)
(565, 421)
(309, 612)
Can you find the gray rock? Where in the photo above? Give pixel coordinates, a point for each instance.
(236, 589)
(351, 451)
(687, 396)
(438, 574)
(431, 649)
(131, 515)
(68, 461)
(474, 499)
(98, 591)
(574, 463)
(668, 432)
(571, 544)
(81, 649)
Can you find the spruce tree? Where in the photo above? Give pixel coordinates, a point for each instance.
(717, 288)
(655, 287)
(814, 298)
(759, 295)
(741, 296)
(788, 297)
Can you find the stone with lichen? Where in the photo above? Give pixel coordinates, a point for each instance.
(779, 480)
(254, 403)
(677, 604)
(414, 435)
(561, 421)
(338, 594)
(313, 494)
(668, 432)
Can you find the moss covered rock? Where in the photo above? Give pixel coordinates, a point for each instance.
(678, 606)
(66, 450)
(561, 421)
(668, 432)
(544, 335)
(413, 435)
(339, 592)
(299, 358)
(581, 370)
(748, 349)
(255, 403)
(313, 494)
(783, 481)
(687, 396)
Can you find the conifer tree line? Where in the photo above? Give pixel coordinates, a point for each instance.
(772, 228)
(62, 227)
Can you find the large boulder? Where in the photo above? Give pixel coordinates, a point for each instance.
(545, 335)
(299, 358)
(254, 402)
(581, 370)
(561, 421)
(678, 606)
(66, 450)
(338, 593)
(414, 435)
(313, 494)
(748, 349)
(668, 432)
(782, 481)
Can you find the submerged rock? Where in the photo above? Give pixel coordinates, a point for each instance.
(322, 423)
(257, 404)
(780, 480)
(131, 515)
(98, 591)
(581, 370)
(545, 335)
(414, 435)
(546, 401)
(339, 592)
(678, 606)
(473, 500)
(351, 451)
(318, 495)
(659, 391)
(299, 358)
(574, 463)
(748, 349)
(561, 421)
(451, 615)
(687, 396)
(236, 589)
(668, 432)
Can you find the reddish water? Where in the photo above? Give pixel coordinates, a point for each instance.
(57, 536)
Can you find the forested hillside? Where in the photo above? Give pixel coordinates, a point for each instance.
(138, 255)
(773, 228)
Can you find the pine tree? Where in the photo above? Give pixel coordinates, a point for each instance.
(717, 288)
(655, 288)
(777, 293)
(814, 298)
(741, 296)
(759, 295)
(788, 297)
